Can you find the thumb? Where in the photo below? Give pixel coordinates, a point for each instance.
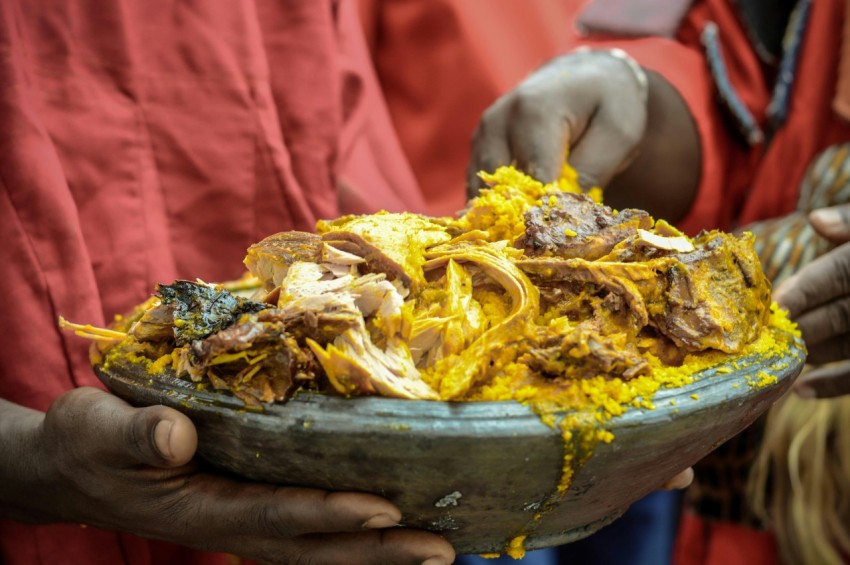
(157, 435)
(108, 429)
(826, 381)
(832, 223)
(175, 439)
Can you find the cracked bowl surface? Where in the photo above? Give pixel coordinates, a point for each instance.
(480, 473)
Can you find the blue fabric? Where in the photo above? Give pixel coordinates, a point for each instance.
(644, 535)
(540, 557)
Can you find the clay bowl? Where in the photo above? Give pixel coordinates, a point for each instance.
(476, 472)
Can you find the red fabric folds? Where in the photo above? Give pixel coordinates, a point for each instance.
(144, 141)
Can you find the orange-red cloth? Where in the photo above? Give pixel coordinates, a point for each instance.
(146, 140)
(441, 63)
(722, 543)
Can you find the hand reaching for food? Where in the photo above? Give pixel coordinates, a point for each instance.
(626, 130)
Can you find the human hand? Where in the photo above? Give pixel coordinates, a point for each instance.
(107, 464)
(591, 102)
(818, 299)
(627, 131)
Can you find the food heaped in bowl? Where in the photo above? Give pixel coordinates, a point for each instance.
(536, 349)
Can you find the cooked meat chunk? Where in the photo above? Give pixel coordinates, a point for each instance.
(585, 353)
(714, 295)
(320, 326)
(447, 317)
(269, 260)
(238, 337)
(573, 225)
(392, 244)
(458, 373)
(257, 360)
(200, 310)
(634, 283)
(156, 324)
(362, 343)
(355, 365)
(700, 300)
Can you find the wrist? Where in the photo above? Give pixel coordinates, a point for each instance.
(23, 465)
(664, 177)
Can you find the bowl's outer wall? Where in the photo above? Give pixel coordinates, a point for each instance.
(477, 472)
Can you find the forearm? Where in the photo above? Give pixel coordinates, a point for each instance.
(21, 473)
(665, 174)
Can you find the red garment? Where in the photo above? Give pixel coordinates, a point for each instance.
(441, 63)
(723, 543)
(740, 185)
(144, 141)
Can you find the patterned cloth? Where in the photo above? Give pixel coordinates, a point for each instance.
(786, 244)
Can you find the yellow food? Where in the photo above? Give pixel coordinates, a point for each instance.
(536, 293)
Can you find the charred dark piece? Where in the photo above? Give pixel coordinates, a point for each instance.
(200, 310)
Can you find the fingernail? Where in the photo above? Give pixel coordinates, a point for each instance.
(435, 561)
(162, 438)
(380, 521)
(829, 218)
(804, 391)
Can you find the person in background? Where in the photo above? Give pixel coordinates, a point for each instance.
(145, 142)
(151, 141)
(719, 114)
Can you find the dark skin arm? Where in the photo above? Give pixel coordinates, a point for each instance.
(93, 459)
(642, 147)
(664, 176)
